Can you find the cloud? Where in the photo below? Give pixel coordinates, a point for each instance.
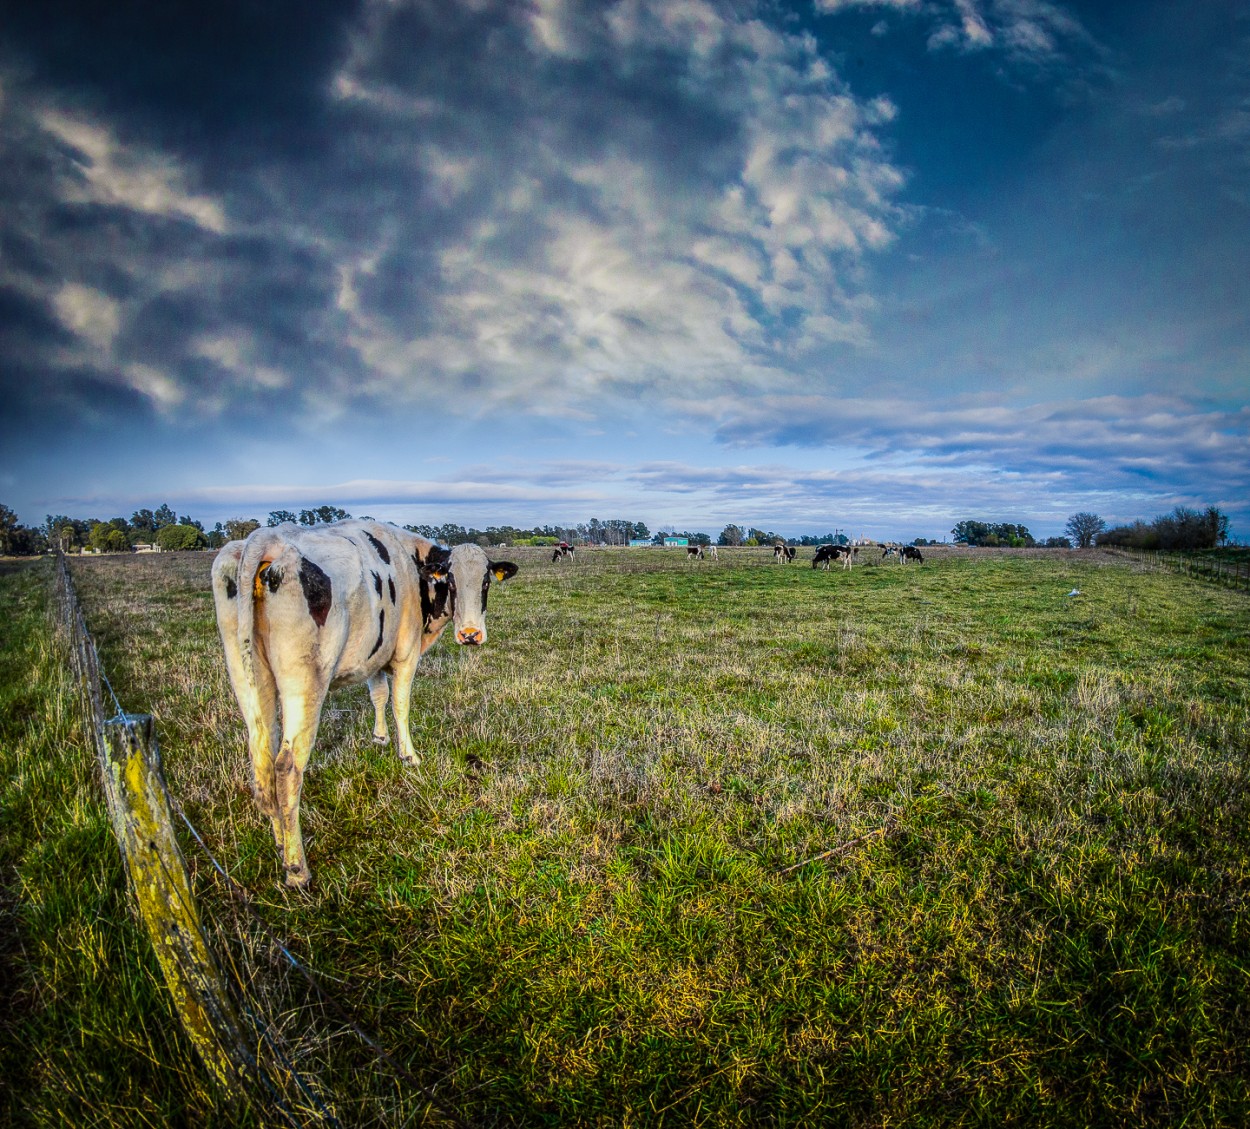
(1098, 444)
(694, 198)
(1030, 32)
(500, 208)
(107, 172)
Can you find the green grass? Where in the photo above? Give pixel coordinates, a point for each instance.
(86, 1035)
(579, 908)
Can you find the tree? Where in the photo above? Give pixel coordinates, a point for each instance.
(983, 533)
(163, 517)
(322, 514)
(1083, 528)
(9, 525)
(99, 532)
(731, 535)
(143, 524)
(1217, 523)
(17, 540)
(172, 538)
(280, 517)
(237, 528)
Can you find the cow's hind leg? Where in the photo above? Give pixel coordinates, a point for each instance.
(261, 716)
(379, 692)
(300, 715)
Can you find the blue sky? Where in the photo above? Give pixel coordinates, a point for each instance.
(878, 265)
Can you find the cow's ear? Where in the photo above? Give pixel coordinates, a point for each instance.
(435, 570)
(502, 570)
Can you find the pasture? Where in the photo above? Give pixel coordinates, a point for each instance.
(591, 904)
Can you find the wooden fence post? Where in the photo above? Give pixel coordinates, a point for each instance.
(143, 824)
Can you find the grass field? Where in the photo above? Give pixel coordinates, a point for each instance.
(584, 906)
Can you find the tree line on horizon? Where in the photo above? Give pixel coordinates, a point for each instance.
(1182, 529)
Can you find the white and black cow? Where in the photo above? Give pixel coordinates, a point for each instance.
(783, 553)
(563, 551)
(827, 554)
(304, 609)
(694, 552)
(910, 553)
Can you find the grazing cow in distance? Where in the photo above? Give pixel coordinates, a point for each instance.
(563, 551)
(827, 554)
(890, 551)
(304, 609)
(784, 553)
(694, 552)
(910, 553)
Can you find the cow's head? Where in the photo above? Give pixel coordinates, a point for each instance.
(455, 584)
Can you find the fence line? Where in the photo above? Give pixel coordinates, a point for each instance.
(1224, 573)
(240, 1053)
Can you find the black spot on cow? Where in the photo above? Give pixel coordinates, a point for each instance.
(380, 548)
(317, 591)
(270, 576)
(390, 584)
(434, 596)
(232, 589)
(381, 633)
(377, 583)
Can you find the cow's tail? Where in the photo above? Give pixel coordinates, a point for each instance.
(259, 575)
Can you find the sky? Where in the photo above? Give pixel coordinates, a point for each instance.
(868, 265)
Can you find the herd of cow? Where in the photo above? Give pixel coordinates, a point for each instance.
(302, 610)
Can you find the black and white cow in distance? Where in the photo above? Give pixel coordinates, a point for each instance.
(783, 553)
(304, 609)
(563, 551)
(910, 553)
(827, 554)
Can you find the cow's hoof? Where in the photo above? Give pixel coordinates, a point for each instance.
(410, 759)
(298, 877)
(381, 738)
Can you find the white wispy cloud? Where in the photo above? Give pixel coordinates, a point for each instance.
(1026, 31)
(108, 171)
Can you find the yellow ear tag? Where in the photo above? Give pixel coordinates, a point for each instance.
(501, 575)
(260, 576)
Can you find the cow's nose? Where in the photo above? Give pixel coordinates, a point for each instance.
(470, 635)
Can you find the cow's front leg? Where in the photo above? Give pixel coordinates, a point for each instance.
(379, 692)
(403, 673)
(300, 715)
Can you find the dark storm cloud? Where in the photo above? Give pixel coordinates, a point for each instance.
(225, 78)
(541, 204)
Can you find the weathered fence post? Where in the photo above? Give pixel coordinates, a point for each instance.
(143, 824)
